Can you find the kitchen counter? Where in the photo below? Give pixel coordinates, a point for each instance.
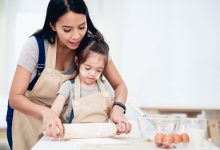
(114, 143)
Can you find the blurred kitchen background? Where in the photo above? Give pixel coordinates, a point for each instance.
(167, 51)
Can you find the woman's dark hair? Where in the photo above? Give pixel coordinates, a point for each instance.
(92, 44)
(56, 9)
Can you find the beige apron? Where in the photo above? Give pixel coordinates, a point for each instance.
(27, 130)
(92, 108)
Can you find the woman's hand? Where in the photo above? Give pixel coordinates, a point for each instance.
(52, 125)
(117, 116)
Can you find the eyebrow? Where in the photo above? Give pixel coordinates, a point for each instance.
(82, 23)
(94, 67)
(71, 26)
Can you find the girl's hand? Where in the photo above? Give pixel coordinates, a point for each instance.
(117, 116)
(52, 125)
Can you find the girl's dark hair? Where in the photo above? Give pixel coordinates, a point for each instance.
(92, 44)
(56, 9)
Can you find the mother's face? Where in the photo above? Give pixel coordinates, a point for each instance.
(70, 28)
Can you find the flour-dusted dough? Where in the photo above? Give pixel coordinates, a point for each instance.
(89, 130)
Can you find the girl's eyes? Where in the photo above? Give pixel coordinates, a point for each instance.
(99, 71)
(68, 30)
(87, 68)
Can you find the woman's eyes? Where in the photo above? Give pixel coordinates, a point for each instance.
(66, 30)
(81, 28)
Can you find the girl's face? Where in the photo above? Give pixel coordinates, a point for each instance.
(92, 68)
(70, 28)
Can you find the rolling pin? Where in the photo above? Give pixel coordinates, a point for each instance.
(89, 130)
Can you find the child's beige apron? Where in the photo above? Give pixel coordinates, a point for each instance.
(27, 130)
(92, 108)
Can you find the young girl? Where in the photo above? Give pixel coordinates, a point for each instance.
(90, 98)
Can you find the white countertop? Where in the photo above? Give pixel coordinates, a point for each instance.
(114, 143)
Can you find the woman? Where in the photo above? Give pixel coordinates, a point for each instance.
(67, 23)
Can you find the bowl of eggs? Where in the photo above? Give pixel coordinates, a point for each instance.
(166, 131)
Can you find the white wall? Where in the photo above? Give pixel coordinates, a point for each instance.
(18, 20)
(171, 53)
(109, 17)
(166, 50)
(2, 46)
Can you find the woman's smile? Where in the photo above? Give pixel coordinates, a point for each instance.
(74, 44)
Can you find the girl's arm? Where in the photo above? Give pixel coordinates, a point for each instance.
(58, 104)
(117, 113)
(53, 130)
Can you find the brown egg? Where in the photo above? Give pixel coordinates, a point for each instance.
(177, 138)
(167, 140)
(185, 137)
(158, 139)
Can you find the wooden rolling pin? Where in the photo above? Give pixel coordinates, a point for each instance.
(89, 130)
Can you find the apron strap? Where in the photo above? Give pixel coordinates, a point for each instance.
(101, 86)
(71, 116)
(51, 55)
(77, 87)
(40, 63)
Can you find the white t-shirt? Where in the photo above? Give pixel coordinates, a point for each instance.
(29, 57)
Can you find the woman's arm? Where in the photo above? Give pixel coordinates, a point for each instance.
(119, 86)
(20, 102)
(17, 98)
(116, 81)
